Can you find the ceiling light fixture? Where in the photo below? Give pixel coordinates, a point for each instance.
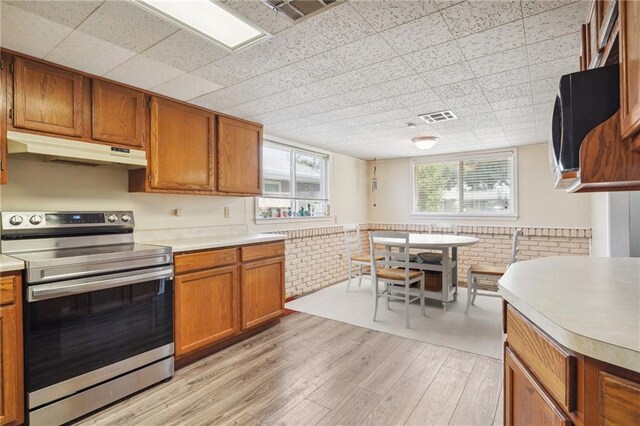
(425, 142)
(209, 19)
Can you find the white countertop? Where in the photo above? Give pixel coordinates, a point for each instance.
(590, 305)
(216, 241)
(8, 263)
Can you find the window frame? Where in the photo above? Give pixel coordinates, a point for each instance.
(325, 173)
(511, 215)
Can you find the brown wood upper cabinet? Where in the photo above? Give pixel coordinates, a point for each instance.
(182, 149)
(3, 118)
(47, 99)
(118, 114)
(239, 157)
(629, 67)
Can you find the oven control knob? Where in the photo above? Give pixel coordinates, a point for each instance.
(15, 220)
(36, 220)
(112, 218)
(125, 218)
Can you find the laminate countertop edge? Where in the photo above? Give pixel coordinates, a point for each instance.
(180, 245)
(578, 342)
(10, 264)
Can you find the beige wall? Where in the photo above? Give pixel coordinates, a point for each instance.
(539, 204)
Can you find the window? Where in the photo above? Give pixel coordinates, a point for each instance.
(294, 183)
(480, 185)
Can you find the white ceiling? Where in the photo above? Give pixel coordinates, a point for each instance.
(347, 80)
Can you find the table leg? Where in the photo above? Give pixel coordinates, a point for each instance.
(454, 272)
(446, 279)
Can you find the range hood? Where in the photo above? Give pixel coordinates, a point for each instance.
(48, 148)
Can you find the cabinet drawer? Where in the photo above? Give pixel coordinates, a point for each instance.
(619, 400)
(553, 367)
(188, 262)
(7, 290)
(262, 251)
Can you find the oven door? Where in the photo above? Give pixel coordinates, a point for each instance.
(83, 332)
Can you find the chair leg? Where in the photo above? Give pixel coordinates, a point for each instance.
(469, 290)
(475, 291)
(375, 297)
(360, 280)
(406, 303)
(350, 274)
(422, 305)
(387, 296)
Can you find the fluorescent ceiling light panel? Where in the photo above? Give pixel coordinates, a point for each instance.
(208, 19)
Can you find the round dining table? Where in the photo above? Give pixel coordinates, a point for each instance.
(448, 246)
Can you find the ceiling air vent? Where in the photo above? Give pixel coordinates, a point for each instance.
(298, 9)
(437, 117)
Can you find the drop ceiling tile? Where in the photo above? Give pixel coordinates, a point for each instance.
(143, 72)
(443, 4)
(543, 111)
(482, 119)
(518, 126)
(556, 22)
(478, 15)
(364, 95)
(469, 111)
(340, 25)
(544, 97)
(508, 92)
(425, 108)
(220, 74)
(417, 98)
(390, 69)
(466, 101)
(449, 74)
(345, 82)
(459, 89)
(186, 86)
(185, 51)
(365, 52)
(435, 57)
(419, 34)
(322, 66)
(511, 103)
(499, 62)
(505, 78)
(547, 85)
(555, 68)
(489, 132)
(533, 7)
(556, 48)
(28, 33)
(89, 54)
(126, 25)
(515, 112)
(258, 13)
(494, 40)
(407, 85)
(385, 15)
(68, 13)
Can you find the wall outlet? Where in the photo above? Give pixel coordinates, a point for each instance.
(177, 212)
(227, 212)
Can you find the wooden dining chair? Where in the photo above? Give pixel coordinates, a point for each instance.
(477, 272)
(392, 267)
(355, 256)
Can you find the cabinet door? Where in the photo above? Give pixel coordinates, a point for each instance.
(182, 148)
(3, 119)
(629, 67)
(10, 368)
(526, 402)
(239, 157)
(262, 291)
(47, 99)
(117, 114)
(619, 400)
(205, 308)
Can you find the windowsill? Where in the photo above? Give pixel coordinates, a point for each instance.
(274, 220)
(464, 216)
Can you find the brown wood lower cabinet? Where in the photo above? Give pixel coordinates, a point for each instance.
(219, 299)
(543, 386)
(11, 364)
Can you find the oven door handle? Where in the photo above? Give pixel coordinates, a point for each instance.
(86, 285)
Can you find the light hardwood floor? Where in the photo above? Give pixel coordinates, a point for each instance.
(309, 370)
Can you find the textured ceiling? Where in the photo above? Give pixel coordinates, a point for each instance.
(347, 80)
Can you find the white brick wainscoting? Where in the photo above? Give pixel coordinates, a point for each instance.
(316, 256)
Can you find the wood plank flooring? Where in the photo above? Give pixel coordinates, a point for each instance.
(309, 370)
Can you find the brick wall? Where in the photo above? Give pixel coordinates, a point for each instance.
(315, 258)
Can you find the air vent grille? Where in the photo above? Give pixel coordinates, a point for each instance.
(439, 116)
(298, 9)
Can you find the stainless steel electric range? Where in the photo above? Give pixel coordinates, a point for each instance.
(98, 310)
